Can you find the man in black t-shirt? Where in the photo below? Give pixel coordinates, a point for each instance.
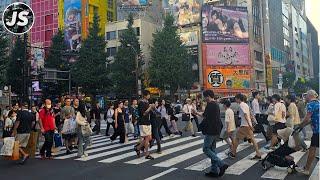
(95, 114)
(22, 128)
(144, 110)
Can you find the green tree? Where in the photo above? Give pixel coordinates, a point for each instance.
(14, 74)
(56, 60)
(124, 67)
(314, 84)
(300, 86)
(4, 56)
(288, 79)
(89, 72)
(170, 65)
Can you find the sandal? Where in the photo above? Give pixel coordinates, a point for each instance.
(149, 157)
(256, 158)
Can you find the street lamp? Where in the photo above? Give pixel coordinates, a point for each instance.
(136, 68)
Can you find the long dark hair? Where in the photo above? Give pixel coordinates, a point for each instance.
(82, 109)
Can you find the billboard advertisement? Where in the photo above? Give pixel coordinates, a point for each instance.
(226, 54)
(235, 78)
(189, 38)
(125, 3)
(72, 24)
(269, 70)
(185, 11)
(225, 24)
(37, 58)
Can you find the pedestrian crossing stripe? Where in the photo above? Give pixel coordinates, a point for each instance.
(130, 154)
(106, 152)
(113, 151)
(206, 163)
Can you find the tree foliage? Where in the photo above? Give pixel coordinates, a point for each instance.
(123, 68)
(4, 56)
(170, 66)
(89, 72)
(14, 74)
(288, 79)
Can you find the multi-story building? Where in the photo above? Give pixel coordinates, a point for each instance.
(314, 50)
(144, 30)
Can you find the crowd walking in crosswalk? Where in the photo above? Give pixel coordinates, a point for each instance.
(221, 144)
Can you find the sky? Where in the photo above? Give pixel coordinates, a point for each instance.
(313, 13)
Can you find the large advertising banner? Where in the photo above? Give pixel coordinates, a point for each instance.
(235, 78)
(189, 38)
(269, 69)
(224, 24)
(226, 54)
(72, 24)
(37, 58)
(127, 3)
(185, 11)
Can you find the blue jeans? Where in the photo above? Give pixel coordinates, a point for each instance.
(136, 130)
(209, 147)
(83, 142)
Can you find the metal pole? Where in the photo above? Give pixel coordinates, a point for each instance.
(137, 75)
(25, 93)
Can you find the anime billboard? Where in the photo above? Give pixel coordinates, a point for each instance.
(72, 24)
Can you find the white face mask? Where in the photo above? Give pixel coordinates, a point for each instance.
(48, 106)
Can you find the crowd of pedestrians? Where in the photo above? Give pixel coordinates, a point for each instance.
(144, 118)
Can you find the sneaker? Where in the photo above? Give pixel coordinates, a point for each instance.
(223, 169)
(68, 152)
(256, 158)
(149, 157)
(230, 155)
(85, 154)
(211, 174)
(171, 135)
(24, 159)
(302, 170)
(193, 135)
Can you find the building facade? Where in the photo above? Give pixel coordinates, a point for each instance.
(314, 50)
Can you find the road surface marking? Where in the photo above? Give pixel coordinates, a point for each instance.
(161, 174)
(206, 163)
(183, 157)
(166, 152)
(111, 152)
(281, 173)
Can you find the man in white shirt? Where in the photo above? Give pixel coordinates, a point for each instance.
(246, 130)
(230, 127)
(257, 114)
(189, 109)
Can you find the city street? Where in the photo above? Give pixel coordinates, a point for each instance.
(182, 158)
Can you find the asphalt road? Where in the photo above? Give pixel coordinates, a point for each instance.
(182, 158)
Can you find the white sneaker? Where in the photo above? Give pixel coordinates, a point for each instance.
(302, 170)
(172, 135)
(85, 154)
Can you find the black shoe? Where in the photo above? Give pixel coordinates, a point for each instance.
(193, 135)
(223, 169)
(211, 174)
(230, 155)
(24, 159)
(71, 148)
(68, 152)
(149, 157)
(107, 135)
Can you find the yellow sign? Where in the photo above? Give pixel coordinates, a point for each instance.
(269, 70)
(153, 90)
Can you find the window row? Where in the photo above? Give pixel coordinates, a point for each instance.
(112, 35)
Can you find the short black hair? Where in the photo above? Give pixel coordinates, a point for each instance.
(227, 103)
(292, 98)
(208, 93)
(254, 94)
(241, 97)
(276, 97)
(145, 93)
(269, 98)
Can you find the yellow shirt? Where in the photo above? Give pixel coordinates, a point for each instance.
(293, 114)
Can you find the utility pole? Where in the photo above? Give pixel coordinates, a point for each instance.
(24, 61)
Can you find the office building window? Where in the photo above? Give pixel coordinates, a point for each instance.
(110, 16)
(48, 35)
(258, 56)
(286, 43)
(285, 31)
(111, 51)
(111, 35)
(110, 4)
(48, 19)
(120, 32)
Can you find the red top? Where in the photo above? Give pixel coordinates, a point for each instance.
(47, 119)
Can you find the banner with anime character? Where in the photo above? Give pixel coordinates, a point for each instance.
(72, 24)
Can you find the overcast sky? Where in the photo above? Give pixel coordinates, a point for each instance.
(313, 13)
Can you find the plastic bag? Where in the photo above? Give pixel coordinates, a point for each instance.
(69, 126)
(291, 142)
(7, 148)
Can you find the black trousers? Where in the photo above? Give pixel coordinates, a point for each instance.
(120, 131)
(98, 124)
(195, 118)
(48, 142)
(259, 127)
(155, 135)
(108, 126)
(165, 125)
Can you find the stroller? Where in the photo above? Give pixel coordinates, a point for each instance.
(281, 156)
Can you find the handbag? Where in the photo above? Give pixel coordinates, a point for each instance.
(69, 126)
(7, 148)
(86, 130)
(57, 140)
(186, 116)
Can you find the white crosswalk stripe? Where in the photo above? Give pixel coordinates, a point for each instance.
(184, 153)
